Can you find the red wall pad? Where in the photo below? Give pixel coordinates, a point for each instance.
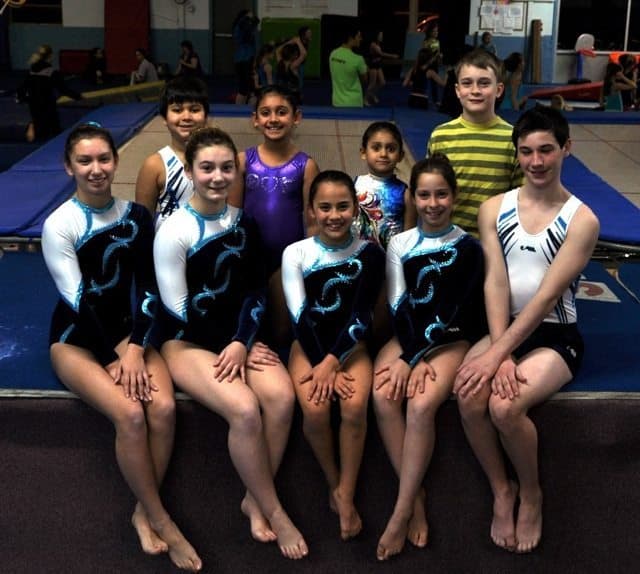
(126, 27)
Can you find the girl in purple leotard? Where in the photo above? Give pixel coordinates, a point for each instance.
(277, 177)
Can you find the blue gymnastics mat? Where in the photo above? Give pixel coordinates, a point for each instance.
(629, 274)
(611, 330)
(619, 217)
(32, 188)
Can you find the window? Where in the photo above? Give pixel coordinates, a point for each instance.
(607, 21)
(38, 12)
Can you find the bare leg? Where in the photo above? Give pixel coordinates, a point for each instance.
(417, 449)
(191, 369)
(316, 423)
(392, 427)
(484, 441)
(79, 371)
(160, 415)
(275, 394)
(546, 372)
(353, 432)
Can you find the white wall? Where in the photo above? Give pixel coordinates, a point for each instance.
(83, 13)
(165, 14)
(305, 8)
(193, 15)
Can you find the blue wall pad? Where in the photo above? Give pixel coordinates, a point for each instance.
(28, 294)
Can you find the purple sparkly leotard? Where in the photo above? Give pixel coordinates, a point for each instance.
(273, 197)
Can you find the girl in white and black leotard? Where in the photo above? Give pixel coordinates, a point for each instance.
(435, 276)
(331, 282)
(211, 280)
(95, 247)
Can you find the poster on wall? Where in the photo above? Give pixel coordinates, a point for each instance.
(306, 8)
(502, 18)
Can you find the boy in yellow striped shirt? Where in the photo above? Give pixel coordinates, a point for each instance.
(478, 142)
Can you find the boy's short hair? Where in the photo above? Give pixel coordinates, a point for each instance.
(541, 119)
(482, 59)
(184, 89)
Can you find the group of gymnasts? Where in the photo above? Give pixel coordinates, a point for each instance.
(235, 256)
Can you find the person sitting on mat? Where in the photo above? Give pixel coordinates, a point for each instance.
(95, 247)
(146, 71)
(537, 239)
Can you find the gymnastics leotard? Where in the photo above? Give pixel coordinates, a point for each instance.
(435, 290)
(178, 188)
(210, 278)
(528, 257)
(381, 207)
(330, 294)
(273, 197)
(94, 255)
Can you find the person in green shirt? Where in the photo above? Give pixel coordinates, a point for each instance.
(348, 71)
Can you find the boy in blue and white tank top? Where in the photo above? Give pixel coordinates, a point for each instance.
(537, 239)
(162, 185)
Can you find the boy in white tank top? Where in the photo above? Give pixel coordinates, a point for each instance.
(162, 185)
(536, 239)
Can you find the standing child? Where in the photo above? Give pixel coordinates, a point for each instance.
(537, 239)
(478, 143)
(375, 61)
(419, 75)
(162, 185)
(331, 283)
(277, 177)
(208, 264)
(434, 284)
(386, 207)
(514, 69)
(96, 247)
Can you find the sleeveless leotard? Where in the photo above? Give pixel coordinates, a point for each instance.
(178, 188)
(528, 257)
(273, 197)
(381, 207)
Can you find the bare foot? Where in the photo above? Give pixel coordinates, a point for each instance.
(503, 531)
(350, 521)
(182, 554)
(418, 533)
(149, 540)
(291, 543)
(529, 525)
(260, 527)
(392, 540)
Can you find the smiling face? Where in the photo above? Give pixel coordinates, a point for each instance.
(213, 172)
(541, 156)
(92, 164)
(477, 89)
(183, 118)
(275, 117)
(333, 208)
(382, 153)
(434, 201)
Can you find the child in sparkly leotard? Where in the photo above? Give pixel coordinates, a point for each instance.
(276, 177)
